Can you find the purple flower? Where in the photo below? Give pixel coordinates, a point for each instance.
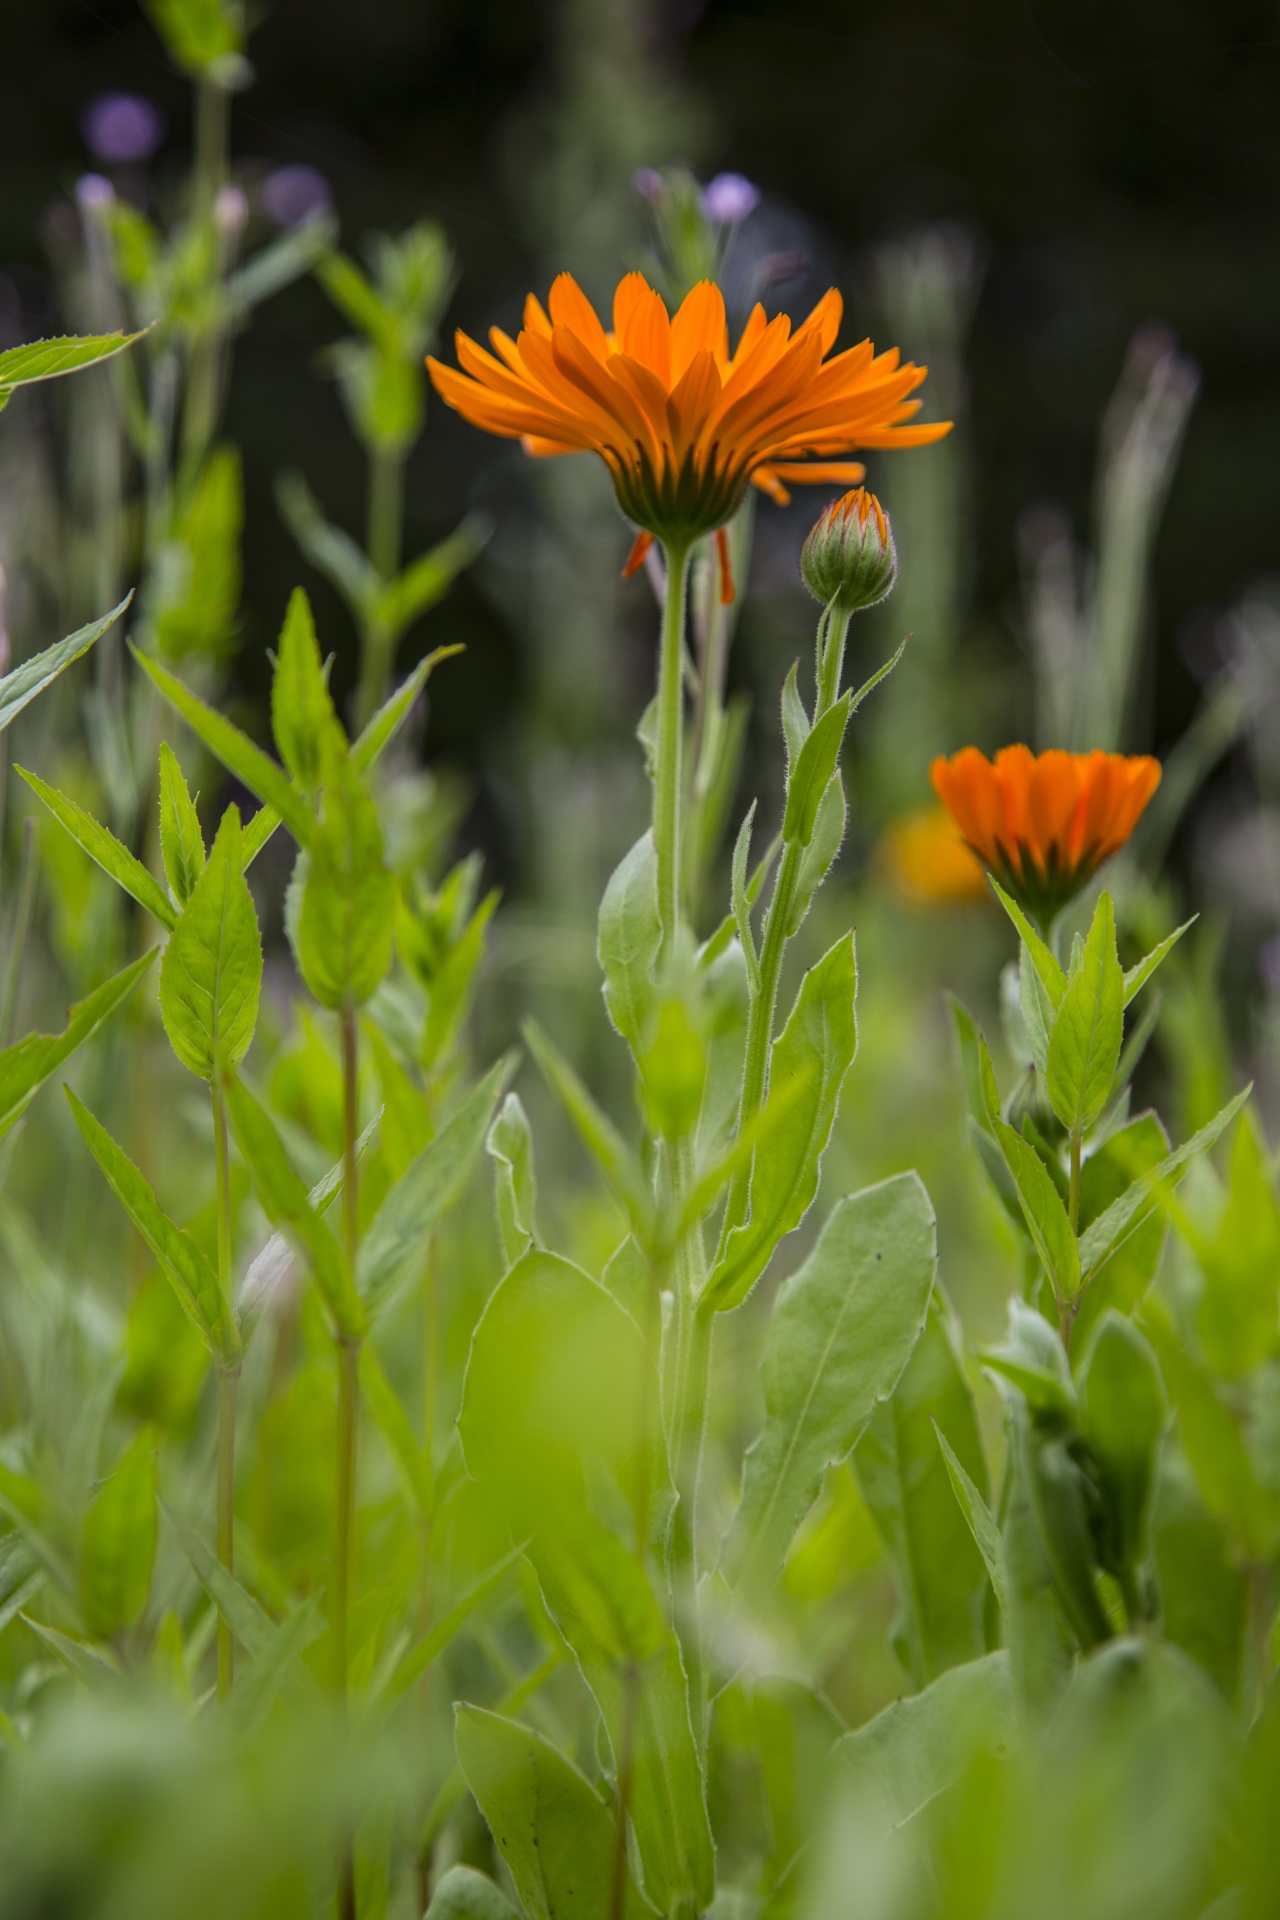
(291, 195)
(119, 128)
(647, 182)
(729, 198)
(94, 192)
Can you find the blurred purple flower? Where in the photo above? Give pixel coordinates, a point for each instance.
(93, 192)
(729, 198)
(291, 195)
(230, 211)
(647, 182)
(119, 128)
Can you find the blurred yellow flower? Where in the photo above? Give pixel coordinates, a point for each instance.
(928, 861)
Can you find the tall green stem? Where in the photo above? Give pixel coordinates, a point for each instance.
(832, 631)
(348, 1417)
(226, 1386)
(667, 774)
(384, 537)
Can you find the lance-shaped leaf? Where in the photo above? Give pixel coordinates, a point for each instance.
(183, 1263)
(941, 1578)
(509, 1144)
(1125, 1215)
(257, 770)
(181, 841)
(449, 1625)
(981, 1523)
(346, 919)
(211, 974)
(120, 1542)
(811, 776)
(103, 847)
(428, 578)
(386, 723)
(842, 1331)
(1042, 1209)
(393, 1422)
(550, 1825)
(629, 939)
(19, 688)
(1088, 1027)
(395, 1244)
(25, 1066)
(1136, 977)
(288, 1206)
(1122, 1414)
(306, 728)
(1052, 977)
(66, 353)
(608, 1149)
(250, 1622)
(824, 844)
(819, 1042)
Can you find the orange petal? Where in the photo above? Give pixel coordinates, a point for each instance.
(639, 551)
(699, 326)
(570, 307)
(726, 568)
(641, 326)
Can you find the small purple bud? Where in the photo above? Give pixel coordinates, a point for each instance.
(291, 195)
(230, 211)
(729, 198)
(120, 128)
(93, 193)
(647, 182)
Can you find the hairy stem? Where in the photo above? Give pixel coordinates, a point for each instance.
(226, 1385)
(667, 770)
(348, 1413)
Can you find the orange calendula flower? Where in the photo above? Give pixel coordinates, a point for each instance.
(1044, 823)
(682, 423)
(930, 862)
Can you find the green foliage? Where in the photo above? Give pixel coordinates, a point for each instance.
(120, 1542)
(47, 359)
(1088, 1027)
(211, 974)
(25, 1066)
(195, 587)
(20, 687)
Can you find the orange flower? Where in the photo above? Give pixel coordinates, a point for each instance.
(681, 423)
(929, 861)
(1043, 823)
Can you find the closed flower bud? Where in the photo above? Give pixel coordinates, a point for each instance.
(849, 560)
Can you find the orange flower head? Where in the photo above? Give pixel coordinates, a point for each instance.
(1044, 823)
(929, 861)
(849, 559)
(683, 424)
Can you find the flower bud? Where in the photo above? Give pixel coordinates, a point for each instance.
(849, 560)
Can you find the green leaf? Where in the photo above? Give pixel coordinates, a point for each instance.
(194, 584)
(211, 973)
(277, 1668)
(1124, 1279)
(918, 1747)
(25, 1066)
(450, 1624)
(1037, 1011)
(251, 1624)
(1088, 1028)
(331, 551)
(464, 1894)
(181, 1259)
(811, 776)
(825, 844)
(1136, 978)
(941, 1578)
(256, 770)
(608, 1149)
(1031, 1357)
(550, 1825)
(393, 1423)
(67, 353)
(87, 1662)
(19, 688)
(629, 939)
(1122, 1415)
(509, 1144)
(1125, 1215)
(120, 1543)
(256, 835)
(428, 578)
(346, 922)
(1239, 1312)
(205, 37)
(181, 841)
(740, 903)
(395, 1245)
(289, 1208)
(1052, 978)
(1041, 1644)
(981, 1523)
(103, 848)
(306, 728)
(978, 1075)
(1060, 1501)
(842, 1332)
(795, 721)
(1042, 1209)
(819, 1042)
(386, 723)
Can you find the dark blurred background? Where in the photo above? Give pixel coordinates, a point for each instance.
(1104, 164)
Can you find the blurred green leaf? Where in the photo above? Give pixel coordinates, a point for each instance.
(1032, 1359)
(509, 1144)
(904, 1479)
(819, 1041)
(918, 1747)
(184, 1265)
(120, 1542)
(427, 579)
(1122, 1415)
(550, 1826)
(369, 745)
(981, 1523)
(1125, 1215)
(1088, 1027)
(106, 851)
(608, 1149)
(205, 37)
(1136, 978)
(25, 1066)
(1124, 1279)
(842, 1332)
(306, 728)
(194, 587)
(346, 921)
(1043, 1211)
(464, 1894)
(19, 688)
(1239, 1313)
(211, 973)
(181, 841)
(629, 940)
